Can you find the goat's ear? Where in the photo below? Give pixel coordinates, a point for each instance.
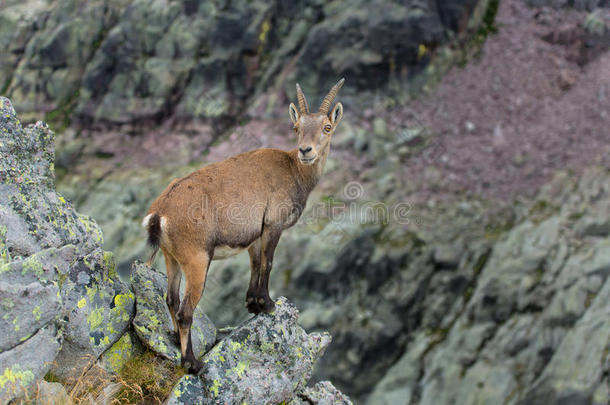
(294, 113)
(336, 114)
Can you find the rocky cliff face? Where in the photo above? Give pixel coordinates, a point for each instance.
(141, 62)
(515, 311)
(428, 251)
(66, 309)
(60, 294)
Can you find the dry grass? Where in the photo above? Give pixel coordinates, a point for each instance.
(145, 379)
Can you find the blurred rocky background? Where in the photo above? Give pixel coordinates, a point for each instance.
(457, 248)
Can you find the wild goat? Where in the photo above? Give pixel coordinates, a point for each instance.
(243, 202)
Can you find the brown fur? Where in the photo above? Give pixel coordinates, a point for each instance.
(243, 202)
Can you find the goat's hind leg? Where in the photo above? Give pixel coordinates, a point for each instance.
(195, 272)
(173, 291)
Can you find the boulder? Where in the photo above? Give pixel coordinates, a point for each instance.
(152, 322)
(52, 393)
(323, 393)
(267, 359)
(59, 291)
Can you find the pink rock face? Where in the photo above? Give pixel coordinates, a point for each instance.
(535, 101)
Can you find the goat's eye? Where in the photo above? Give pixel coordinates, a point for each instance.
(327, 128)
(295, 129)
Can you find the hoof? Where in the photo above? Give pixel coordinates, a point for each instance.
(269, 306)
(258, 304)
(192, 366)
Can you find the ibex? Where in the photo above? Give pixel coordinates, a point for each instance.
(243, 202)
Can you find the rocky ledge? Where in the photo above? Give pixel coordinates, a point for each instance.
(65, 309)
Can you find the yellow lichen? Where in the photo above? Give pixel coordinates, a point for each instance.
(96, 318)
(214, 388)
(15, 375)
(36, 312)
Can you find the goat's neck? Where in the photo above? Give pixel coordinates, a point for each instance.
(310, 174)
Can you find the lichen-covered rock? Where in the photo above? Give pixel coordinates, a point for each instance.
(110, 61)
(119, 353)
(25, 364)
(323, 393)
(152, 322)
(189, 390)
(58, 288)
(578, 371)
(265, 360)
(534, 327)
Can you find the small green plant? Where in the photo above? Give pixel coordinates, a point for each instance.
(488, 27)
(61, 117)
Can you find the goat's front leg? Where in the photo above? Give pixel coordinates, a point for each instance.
(195, 272)
(269, 240)
(255, 267)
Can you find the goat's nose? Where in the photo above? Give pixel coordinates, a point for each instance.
(305, 150)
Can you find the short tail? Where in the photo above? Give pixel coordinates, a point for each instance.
(152, 223)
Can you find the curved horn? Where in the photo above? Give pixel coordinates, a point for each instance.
(302, 101)
(325, 106)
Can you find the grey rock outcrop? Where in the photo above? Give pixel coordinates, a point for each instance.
(152, 322)
(533, 328)
(267, 359)
(110, 62)
(323, 393)
(60, 295)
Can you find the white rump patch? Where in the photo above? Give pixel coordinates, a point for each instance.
(146, 220)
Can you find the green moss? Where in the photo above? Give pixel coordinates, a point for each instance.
(468, 293)
(486, 28)
(494, 231)
(480, 263)
(52, 377)
(61, 117)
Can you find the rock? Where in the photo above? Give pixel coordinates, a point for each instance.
(578, 370)
(119, 353)
(323, 393)
(598, 225)
(101, 307)
(109, 62)
(448, 255)
(189, 390)
(54, 393)
(25, 364)
(59, 289)
(267, 359)
(152, 322)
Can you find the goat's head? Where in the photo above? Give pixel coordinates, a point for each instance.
(315, 129)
